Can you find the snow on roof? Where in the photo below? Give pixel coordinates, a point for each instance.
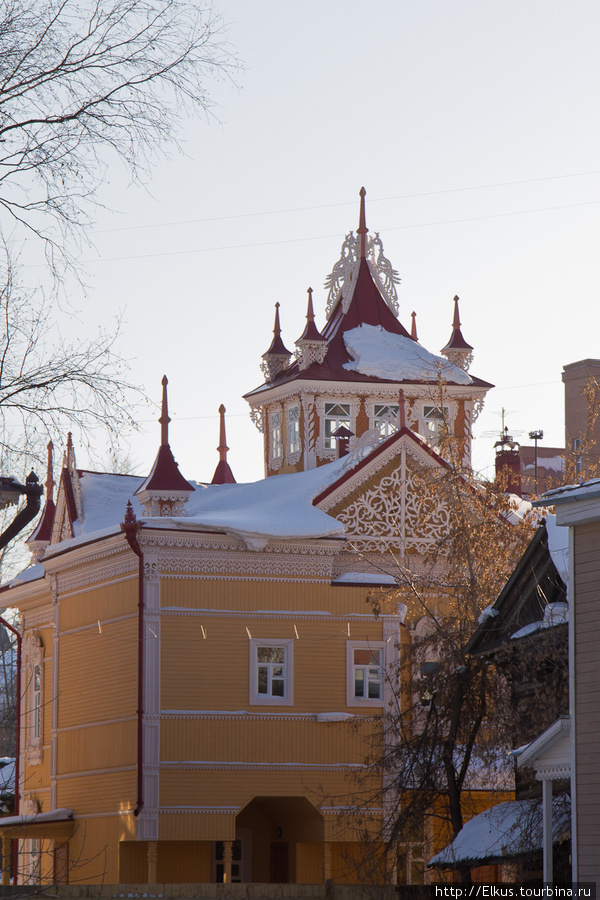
(276, 507)
(509, 829)
(53, 815)
(7, 777)
(396, 358)
(558, 545)
(370, 578)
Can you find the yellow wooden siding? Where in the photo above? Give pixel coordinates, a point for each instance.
(102, 793)
(94, 849)
(264, 595)
(267, 741)
(98, 603)
(196, 826)
(237, 787)
(102, 747)
(98, 674)
(309, 862)
(213, 673)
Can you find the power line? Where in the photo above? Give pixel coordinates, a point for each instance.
(323, 237)
(293, 209)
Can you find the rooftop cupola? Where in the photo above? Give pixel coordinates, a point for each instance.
(277, 357)
(311, 346)
(223, 473)
(165, 491)
(457, 351)
(42, 535)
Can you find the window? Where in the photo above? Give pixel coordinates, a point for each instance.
(385, 418)
(276, 436)
(271, 672)
(365, 662)
(336, 414)
(435, 420)
(36, 704)
(293, 430)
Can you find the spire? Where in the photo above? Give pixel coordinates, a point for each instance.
(362, 226)
(223, 473)
(165, 491)
(277, 357)
(39, 540)
(311, 346)
(164, 415)
(457, 351)
(413, 327)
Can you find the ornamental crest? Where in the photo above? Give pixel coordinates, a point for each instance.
(342, 280)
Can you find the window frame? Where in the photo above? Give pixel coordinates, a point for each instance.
(256, 699)
(351, 698)
(383, 422)
(337, 420)
(293, 440)
(276, 425)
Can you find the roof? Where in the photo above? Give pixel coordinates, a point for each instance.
(535, 590)
(358, 303)
(505, 831)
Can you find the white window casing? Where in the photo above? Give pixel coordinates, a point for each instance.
(365, 673)
(271, 677)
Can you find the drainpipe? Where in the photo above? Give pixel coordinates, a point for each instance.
(130, 528)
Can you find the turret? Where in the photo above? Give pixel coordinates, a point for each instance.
(311, 346)
(223, 473)
(277, 357)
(457, 351)
(165, 491)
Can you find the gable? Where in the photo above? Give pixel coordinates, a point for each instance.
(387, 504)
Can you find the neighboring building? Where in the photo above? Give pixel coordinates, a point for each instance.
(202, 669)
(582, 423)
(578, 509)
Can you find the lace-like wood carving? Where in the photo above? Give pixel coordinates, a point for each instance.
(398, 513)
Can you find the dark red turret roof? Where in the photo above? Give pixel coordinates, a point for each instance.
(366, 306)
(223, 473)
(165, 474)
(277, 346)
(457, 341)
(43, 529)
(311, 332)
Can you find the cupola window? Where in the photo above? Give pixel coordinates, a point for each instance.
(336, 414)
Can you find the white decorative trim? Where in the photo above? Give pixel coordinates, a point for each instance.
(555, 771)
(243, 716)
(102, 582)
(37, 618)
(257, 417)
(196, 765)
(178, 555)
(33, 658)
(351, 699)
(267, 614)
(342, 280)
(256, 699)
(200, 810)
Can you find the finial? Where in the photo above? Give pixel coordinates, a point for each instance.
(223, 473)
(49, 474)
(222, 448)
(164, 415)
(362, 226)
(277, 328)
(310, 313)
(456, 319)
(413, 327)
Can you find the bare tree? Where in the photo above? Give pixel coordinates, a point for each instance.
(85, 83)
(438, 745)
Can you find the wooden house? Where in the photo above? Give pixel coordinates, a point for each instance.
(202, 670)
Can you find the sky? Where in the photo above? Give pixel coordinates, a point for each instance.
(474, 128)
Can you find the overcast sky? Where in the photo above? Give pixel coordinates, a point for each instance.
(474, 128)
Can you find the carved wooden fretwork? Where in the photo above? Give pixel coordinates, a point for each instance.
(342, 280)
(33, 652)
(396, 513)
